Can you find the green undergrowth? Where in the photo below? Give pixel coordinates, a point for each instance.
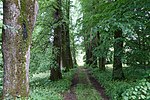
(136, 86)
(41, 88)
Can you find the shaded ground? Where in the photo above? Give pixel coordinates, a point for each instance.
(83, 76)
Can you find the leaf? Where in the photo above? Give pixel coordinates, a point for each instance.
(143, 96)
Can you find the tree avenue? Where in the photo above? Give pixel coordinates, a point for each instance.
(77, 50)
(19, 20)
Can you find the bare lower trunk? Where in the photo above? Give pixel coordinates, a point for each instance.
(89, 59)
(74, 53)
(19, 19)
(56, 69)
(102, 61)
(56, 74)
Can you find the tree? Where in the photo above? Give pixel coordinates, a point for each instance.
(55, 71)
(118, 52)
(74, 50)
(101, 57)
(67, 62)
(19, 20)
(87, 49)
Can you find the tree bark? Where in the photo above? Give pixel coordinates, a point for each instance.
(74, 53)
(118, 51)
(19, 19)
(89, 55)
(55, 71)
(102, 61)
(66, 51)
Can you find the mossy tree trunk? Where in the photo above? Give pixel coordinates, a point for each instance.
(19, 19)
(118, 51)
(55, 71)
(66, 51)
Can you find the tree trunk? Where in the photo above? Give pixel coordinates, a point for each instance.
(94, 45)
(91, 59)
(19, 19)
(66, 51)
(118, 51)
(89, 55)
(55, 71)
(101, 59)
(74, 53)
(56, 68)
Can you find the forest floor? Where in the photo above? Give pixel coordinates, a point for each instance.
(85, 87)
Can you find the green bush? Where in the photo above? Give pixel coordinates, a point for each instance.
(140, 91)
(113, 89)
(136, 86)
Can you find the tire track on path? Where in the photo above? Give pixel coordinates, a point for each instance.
(87, 79)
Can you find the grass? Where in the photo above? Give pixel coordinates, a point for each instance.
(115, 89)
(87, 92)
(41, 88)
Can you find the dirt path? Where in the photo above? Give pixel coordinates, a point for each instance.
(87, 79)
(70, 95)
(98, 86)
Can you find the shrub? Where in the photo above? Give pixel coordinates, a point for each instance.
(140, 91)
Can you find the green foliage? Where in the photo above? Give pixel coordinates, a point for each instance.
(132, 17)
(44, 94)
(42, 38)
(118, 90)
(41, 88)
(113, 89)
(141, 91)
(40, 60)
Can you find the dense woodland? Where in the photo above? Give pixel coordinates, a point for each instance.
(75, 49)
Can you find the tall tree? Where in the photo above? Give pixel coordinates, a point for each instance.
(74, 51)
(89, 55)
(55, 71)
(19, 19)
(66, 51)
(118, 51)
